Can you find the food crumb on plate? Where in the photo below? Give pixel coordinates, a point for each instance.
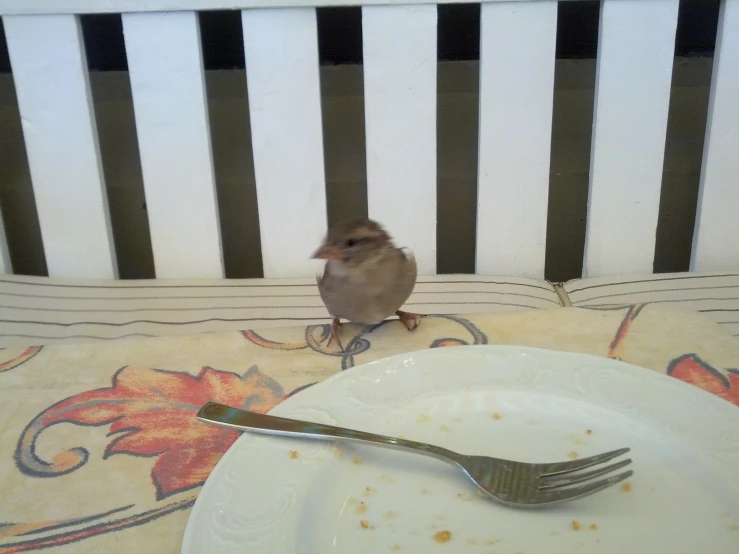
(472, 541)
(365, 524)
(423, 418)
(443, 536)
(357, 460)
(496, 416)
(734, 527)
(361, 508)
(626, 487)
(390, 514)
(368, 491)
(386, 479)
(554, 533)
(425, 491)
(575, 525)
(444, 428)
(395, 547)
(294, 455)
(573, 454)
(463, 496)
(589, 432)
(593, 526)
(338, 452)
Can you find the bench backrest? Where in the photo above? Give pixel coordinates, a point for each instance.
(634, 71)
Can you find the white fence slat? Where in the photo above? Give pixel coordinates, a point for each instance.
(400, 120)
(517, 55)
(281, 48)
(123, 6)
(716, 239)
(167, 81)
(49, 65)
(634, 73)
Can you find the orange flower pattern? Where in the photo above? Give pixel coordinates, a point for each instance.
(692, 369)
(150, 412)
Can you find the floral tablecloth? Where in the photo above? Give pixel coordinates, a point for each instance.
(101, 451)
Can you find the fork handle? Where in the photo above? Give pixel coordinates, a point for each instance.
(241, 420)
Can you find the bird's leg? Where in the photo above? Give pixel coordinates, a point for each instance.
(335, 326)
(410, 320)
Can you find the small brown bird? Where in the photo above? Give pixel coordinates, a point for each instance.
(367, 278)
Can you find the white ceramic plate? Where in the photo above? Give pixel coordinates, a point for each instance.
(684, 496)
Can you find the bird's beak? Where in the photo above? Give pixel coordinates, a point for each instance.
(328, 252)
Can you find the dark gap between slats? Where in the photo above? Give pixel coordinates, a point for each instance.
(342, 110)
(457, 118)
(686, 127)
(17, 202)
(574, 84)
(228, 108)
(116, 125)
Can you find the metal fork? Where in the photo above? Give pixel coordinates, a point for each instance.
(512, 483)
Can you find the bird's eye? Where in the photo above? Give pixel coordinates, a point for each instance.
(350, 243)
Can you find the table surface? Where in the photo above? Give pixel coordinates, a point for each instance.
(107, 454)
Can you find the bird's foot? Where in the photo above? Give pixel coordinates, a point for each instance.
(410, 320)
(335, 326)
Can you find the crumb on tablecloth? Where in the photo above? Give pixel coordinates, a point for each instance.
(626, 487)
(575, 525)
(443, 536)
(294, 455)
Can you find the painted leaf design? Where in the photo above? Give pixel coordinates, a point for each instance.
(151, 412)
(692, 369)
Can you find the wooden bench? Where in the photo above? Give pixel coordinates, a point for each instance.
(83, 298)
